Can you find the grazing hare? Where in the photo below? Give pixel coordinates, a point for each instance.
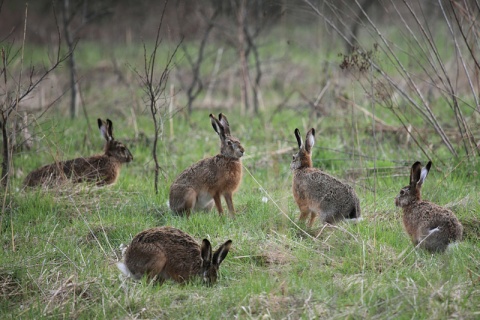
(430, 226)
(200, 186)
(318, 193)
(169, 253)
(103, 169)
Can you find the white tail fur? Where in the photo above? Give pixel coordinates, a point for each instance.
(123, 268)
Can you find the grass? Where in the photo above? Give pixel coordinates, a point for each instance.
(60, 247)
(60, 261)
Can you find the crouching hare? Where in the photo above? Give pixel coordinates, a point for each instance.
(429, 226)
(102, 169)
(163, 253)
(200, 186)
(318, 193)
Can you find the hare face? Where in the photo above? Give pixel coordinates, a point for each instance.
(113, 148)
(232, 148)
(405, 197)
(303, 158)
(210, 273)
(119, 151)
(296, 161)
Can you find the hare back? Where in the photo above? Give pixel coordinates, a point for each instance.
(422, 217)
(47, 175)
(96, 168)
(164, 252)
(212, 175)
(324, 194)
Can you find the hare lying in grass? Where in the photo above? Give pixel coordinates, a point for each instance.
(103, 169)
(318, 193)
(200, 186)
(167, 253)
(430, 226)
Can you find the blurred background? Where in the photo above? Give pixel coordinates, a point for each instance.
(389, 80)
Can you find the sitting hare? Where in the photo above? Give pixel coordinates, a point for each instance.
(318, 193)
(103, 169)
(168, 253)
(430, 226)
(200, 186)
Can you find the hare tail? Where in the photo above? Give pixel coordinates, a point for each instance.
(124, 269)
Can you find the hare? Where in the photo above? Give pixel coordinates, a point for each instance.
(168, 253)
(200, 186)
(103, 169)
(429, 226)
(318, 193)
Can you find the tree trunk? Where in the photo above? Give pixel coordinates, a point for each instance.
(241, 52)
(71, 60)
(6, 154)
(359, 18)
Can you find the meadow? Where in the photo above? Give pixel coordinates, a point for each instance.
(60, 246)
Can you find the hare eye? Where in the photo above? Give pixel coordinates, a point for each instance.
(229, 143)
(402, 192)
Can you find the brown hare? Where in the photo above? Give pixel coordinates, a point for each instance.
(102, 169)
(318, 193)
(430, 226)
(164, 253)
(200, 186)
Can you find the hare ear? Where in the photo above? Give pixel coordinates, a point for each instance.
(217, 126)
(110, 128)
(424, 173)
(103, 126)
(310, 140)
(226, 126)
(221, 253)
(299, 138)
(415, 174)
(206, 250)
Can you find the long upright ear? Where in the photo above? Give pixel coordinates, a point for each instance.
(424, 173)
(217, 126)
(103, 126)
(221, 253)
(310, 140)
(206, 250)
(415, 174)
(110, 128)
(226, 126)
(299, 138)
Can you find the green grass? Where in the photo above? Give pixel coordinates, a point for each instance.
(59, 248)
(60, 261)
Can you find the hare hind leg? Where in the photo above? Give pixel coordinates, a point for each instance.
(156, 268)
(183, 201)
(434, 239)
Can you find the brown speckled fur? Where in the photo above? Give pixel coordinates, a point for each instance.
(102, 169)
(200, 186)
(169, 253)
(318, 193)
(420, 217)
